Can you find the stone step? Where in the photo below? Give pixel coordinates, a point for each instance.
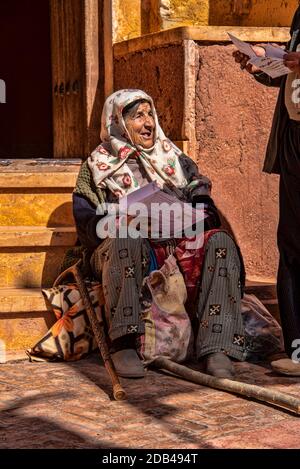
(38, 173)
(263, 290)
(30, 257)
(33, 207)
(30, 268)
(37, 192)
(267, 294)
(36, 236)
(24, 317)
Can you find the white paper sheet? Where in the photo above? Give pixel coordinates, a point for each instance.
(274, 52)
(242, 46)
(272, 64)
(272, 67)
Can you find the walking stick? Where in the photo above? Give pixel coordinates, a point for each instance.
(276, 398)
(97, 328)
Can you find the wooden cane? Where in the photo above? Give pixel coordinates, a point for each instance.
(276, 398)
(97, 328)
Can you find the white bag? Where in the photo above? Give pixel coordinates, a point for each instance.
(168, 330)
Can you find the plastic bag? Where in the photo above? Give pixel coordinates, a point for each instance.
(263, 333)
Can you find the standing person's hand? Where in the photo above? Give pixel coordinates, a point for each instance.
(242, 59)
(292, 61)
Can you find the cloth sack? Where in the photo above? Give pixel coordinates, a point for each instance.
(71, 337)
(168, 330)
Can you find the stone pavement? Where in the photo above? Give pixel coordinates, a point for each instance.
(69, 405)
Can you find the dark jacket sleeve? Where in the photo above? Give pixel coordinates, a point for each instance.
(198, 185)
(86, 220)
(198, 191)
(266, 80)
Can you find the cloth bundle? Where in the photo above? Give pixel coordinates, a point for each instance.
(262, 331)
(168, 330)
(71, 337)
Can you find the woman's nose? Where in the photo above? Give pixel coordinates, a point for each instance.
(149, 121)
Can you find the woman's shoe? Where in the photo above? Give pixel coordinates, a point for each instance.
(286, 366)
(128, 364)
(219, 365)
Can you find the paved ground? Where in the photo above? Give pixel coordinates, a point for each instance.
(60, 405)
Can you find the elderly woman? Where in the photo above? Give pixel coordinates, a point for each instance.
(134, 152)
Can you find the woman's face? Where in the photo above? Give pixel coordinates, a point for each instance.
(141, 126)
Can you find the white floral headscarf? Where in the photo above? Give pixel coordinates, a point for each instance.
(108, 160)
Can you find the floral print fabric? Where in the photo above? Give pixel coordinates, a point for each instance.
(108, 161)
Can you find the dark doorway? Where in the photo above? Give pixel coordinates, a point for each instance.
(25, 66)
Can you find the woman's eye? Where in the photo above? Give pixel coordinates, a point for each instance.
(141, 115)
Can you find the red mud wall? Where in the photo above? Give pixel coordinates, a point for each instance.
(159, 72)
(231, 116)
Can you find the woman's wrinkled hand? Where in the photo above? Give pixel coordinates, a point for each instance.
(292, 61)
(242, 59)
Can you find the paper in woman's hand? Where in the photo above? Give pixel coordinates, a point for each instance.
(274, 67)
(274, 52)
(242, 46)
(169, 216)
(272, 64)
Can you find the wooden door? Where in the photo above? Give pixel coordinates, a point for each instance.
(77, 45)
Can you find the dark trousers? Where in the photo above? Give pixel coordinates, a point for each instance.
(288, 282)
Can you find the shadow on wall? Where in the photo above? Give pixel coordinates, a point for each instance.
(38, 265)
(226, 225)
(62, 239)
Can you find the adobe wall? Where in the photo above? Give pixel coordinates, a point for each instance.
(223, 116)
(159, 72)
(233, 118)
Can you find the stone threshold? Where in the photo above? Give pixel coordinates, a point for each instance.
(39, 173)
(9, 165)
(22, 300)
(211, 34)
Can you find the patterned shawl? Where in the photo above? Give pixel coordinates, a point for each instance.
(108, 161)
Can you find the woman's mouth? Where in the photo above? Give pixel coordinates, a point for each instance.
(147, 134)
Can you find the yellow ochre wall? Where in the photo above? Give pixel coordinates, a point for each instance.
(126, 19)
(132, 18)
(252, 12)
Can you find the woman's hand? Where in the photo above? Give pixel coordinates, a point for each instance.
(242, 59)
(292, 61)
